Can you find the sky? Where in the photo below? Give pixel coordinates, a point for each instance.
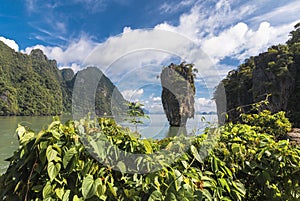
(130, 40)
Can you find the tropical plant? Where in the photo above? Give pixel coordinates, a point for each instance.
(234, 162)
(136, 114)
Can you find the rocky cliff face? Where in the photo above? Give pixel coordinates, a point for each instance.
(275, 73)
(178, 93)
(33, 85)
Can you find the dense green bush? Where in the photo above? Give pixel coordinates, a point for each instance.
(269, 169)
(273, 124)
(242, 163)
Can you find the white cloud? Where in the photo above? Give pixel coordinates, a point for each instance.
(227, 43)
(74, 54)
(11, 43)
(74, 66)
(205, 105)
(156, 99)
(132, 95)
(287, 13)
(203, 36)
(264, 37)
(242, 42)
(172, 7)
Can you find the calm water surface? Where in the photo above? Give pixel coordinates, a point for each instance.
(156, 127)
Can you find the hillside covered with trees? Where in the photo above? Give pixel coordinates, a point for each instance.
(33, 85)
(272, 77)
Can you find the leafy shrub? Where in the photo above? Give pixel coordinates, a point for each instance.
(270, 170)
(242, 162)
(277, 124)
(54, 165)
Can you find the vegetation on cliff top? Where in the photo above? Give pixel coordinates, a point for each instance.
(33, 85)
(275, 72)
(178, 92)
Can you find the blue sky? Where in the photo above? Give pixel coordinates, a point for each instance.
(130, 40)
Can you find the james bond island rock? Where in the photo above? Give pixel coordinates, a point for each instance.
(273, 76)
(178, 92)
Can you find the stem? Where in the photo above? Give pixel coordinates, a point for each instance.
(28, 181)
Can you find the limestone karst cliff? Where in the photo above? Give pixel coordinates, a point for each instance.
(178, 93)
(34, 85)
(273, 75)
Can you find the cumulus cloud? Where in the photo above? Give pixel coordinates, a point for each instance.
(203, 36)
(11, 43)
(205, 105)
(241, 38)
(156, 99)
(73, 55)
(132, 95)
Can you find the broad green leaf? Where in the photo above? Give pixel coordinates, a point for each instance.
(148, 147)
(98, 147)
(227, 171)
(59, 193)
(224, 184)
(51, 153)
(207, 194)
(66, 196)
(88, 187)
(185, 164)
(76, 198)
(156, 182)
(196, 154)
(68, 156)
(121, 166)
(100, 187)
(53, 170)
(20, 131)
(47, 190)
(171, 196)
(55, 134)
(155, 195)
(26, 137)
(53, 124)
(240, 187)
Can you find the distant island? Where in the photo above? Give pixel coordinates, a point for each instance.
(33, 85)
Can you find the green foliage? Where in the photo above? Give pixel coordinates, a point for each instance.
(29, 84)
(274, 72)
(269, 169)
(184, 72)
(54, 165)
(136, 113)
(33, 85)
(277, 124)
(245, 163)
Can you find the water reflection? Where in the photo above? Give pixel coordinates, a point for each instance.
(176, 131)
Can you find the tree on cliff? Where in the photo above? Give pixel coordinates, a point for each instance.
(275, 72)
(178, 92)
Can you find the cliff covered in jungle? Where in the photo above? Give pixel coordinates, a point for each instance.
(34, 85)
(271, 79)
